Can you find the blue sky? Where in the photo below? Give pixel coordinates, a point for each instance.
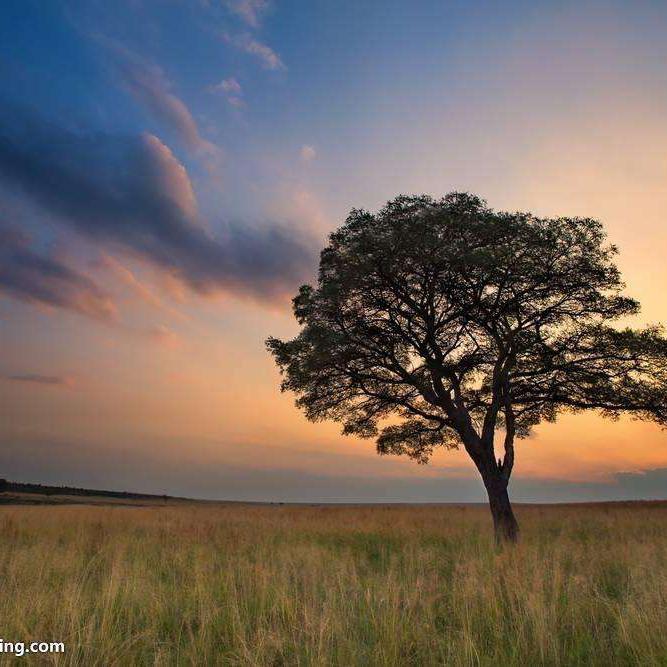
(169, 170)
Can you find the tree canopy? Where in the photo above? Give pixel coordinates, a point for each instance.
(436, 323)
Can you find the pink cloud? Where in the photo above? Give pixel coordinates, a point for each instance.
(245, 42)
(249, 10)
(164, 336)
(307, 153)
(231, 90)
(152, 89)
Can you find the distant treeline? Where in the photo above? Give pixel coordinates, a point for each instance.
(42, 489)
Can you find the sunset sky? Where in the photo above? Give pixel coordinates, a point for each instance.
(169, 170)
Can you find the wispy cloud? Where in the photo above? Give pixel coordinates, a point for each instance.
(245, 42)
(48, 380)
(307, 153)
(149, 85)
(250, 11)
(164, 336)
(136, 286)
(230, 89)
(28, 275)
(132, 195)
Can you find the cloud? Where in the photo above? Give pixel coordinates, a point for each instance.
(307, 153)
(131, 194)
(48, 380)
(164, 336)
(245, 42)
(163, 177)
(127, 277)
(230, 86)
(29, 276)
(152, 89)
(162, 465)
(230, 89)
(249, 10)
(650, 484)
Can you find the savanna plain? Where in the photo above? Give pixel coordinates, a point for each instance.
(233, 584)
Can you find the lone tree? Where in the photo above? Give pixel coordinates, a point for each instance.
(437, 323)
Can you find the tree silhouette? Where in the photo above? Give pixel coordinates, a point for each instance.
(437, 323)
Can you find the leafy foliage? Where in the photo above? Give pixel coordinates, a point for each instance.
(436, 322)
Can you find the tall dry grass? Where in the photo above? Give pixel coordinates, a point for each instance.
(281, 585)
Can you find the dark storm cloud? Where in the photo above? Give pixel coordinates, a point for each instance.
(130, 192)
(37, 278)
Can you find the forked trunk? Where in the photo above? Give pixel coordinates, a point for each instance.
(496, 475)
(504, 523)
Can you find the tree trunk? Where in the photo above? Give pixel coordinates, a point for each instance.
(495, 475)
(505, 525)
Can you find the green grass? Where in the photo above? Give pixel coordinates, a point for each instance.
(281, 585)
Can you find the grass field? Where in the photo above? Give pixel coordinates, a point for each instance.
(379, 585)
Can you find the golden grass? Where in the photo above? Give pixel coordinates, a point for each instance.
(285, 585)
